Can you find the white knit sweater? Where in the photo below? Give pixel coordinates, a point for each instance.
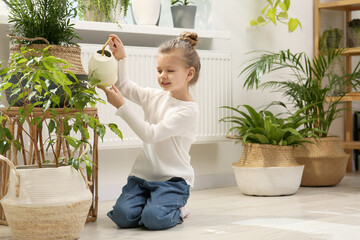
(169, 129)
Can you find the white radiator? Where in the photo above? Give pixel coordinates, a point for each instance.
(212, 91)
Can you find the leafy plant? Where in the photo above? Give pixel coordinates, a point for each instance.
(310, 83)
(180, 2)
(43, 78)
(354, 23)
(276, 11)
(102, 9)
(264, 127)
(330, 39)
(49, 19)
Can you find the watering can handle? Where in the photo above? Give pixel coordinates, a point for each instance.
(12, 166)
(103, 49)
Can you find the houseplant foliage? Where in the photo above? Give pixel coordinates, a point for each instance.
(102, 10)
(40, 70)
(49, 19)
(353, 32)
(276, 11)
(180, 2)
(331, 39)
(310, 82)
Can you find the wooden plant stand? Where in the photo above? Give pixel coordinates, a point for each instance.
(35, 149)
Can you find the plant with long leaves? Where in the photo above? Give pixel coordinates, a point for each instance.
(263, 127)
(43, 84)
(310, 82)
(49, 19)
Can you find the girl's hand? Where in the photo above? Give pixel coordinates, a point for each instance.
(114, 96)
(117, 47)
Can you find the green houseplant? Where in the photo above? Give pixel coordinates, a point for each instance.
(276, 11)
(267, 166)
(183, 13)
(103, 10)
(310, 82)
(39, 23)
(353, 33)
(331, 39)
(38, 117)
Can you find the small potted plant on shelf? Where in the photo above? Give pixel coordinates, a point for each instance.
(331, 39)
(183, 13)
(55, 140)
(276, 11)
(103, 10)
(353, 33)
(267, 166)
(310, 83)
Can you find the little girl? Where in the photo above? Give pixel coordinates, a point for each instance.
(157, 188)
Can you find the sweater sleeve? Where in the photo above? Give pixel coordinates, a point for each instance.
(175, 125)
(129, 89)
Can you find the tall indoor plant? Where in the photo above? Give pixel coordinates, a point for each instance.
(310, 82)
(267, 166)
(43, 126)
(183, 13)
(103, 10)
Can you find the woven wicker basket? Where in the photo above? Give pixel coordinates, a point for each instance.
(265, 155)
(71, 54)
(38, 206)
(325, 162)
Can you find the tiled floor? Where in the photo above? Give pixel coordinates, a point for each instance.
(224, 213)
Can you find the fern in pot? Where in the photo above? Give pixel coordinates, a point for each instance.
(310, 82)
(54, 145)
(267, 166)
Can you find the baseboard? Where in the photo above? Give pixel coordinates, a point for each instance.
(109, 192)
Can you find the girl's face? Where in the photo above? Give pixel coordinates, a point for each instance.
(172, 74)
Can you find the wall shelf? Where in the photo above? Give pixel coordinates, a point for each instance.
(344, 5)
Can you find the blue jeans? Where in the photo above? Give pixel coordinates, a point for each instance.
(154, 205)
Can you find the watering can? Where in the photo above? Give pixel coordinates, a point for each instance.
(103, 66)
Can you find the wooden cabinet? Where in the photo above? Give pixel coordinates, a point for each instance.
(347, 6)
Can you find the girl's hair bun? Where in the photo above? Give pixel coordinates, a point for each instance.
(191, 37)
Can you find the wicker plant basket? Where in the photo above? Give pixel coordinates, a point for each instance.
(325, 162)
(71, 54)
(268, 170)
(38, 207)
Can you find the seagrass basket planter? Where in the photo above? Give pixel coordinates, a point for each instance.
(325, 162)
(46, 203)
(267, 170)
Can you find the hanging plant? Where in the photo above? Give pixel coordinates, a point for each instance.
(276, 11)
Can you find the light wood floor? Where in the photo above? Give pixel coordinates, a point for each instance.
(224, 213)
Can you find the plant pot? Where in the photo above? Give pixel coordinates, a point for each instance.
(267, 170)
(325, 162)
(183, 16)
(48, 203)
(268, 181)
(353, 35)
(146, 12)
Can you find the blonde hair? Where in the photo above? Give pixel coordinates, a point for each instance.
(186, 42)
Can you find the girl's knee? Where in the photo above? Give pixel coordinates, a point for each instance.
(124, 217)
(156, 218)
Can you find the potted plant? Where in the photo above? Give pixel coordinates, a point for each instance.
(183, 14)
(146, 12)
(267, 166)
(309, 83)
(41, 23)
(276, 11)
(54, 194)
(353, 33)
(331, 39)
(103, 10)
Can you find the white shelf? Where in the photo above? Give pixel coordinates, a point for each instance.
(148, 30)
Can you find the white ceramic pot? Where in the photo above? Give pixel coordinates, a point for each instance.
(104, 68)
(146, 12)
(46, 203)
(268, 181)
